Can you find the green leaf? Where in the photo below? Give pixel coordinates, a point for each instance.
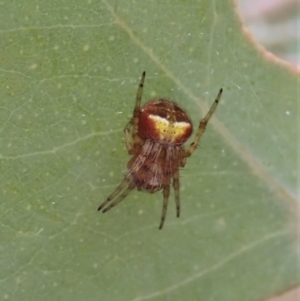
(69, 74)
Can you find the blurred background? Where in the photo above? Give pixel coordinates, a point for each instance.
(275, 24)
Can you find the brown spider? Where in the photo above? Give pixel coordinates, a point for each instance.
(158, 131)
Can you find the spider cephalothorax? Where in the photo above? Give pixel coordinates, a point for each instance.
(159, 129)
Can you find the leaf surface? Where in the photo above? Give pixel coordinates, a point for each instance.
(69, 74)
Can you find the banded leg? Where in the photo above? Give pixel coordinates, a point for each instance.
(202, 126)
(133, 122)
(166, 193)
(120, 198)
(127, 131)
(114, 193)
(137, 107)
(176, 192)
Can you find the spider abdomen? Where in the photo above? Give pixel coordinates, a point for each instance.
(165, 122)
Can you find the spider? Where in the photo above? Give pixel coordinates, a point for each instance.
(158, 130)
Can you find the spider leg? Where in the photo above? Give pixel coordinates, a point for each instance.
(166, 193)
(127, 130)
(120, 198)
(136, 111)
(202, 126)
(132, 124)
(176, 191)
(114, 193)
